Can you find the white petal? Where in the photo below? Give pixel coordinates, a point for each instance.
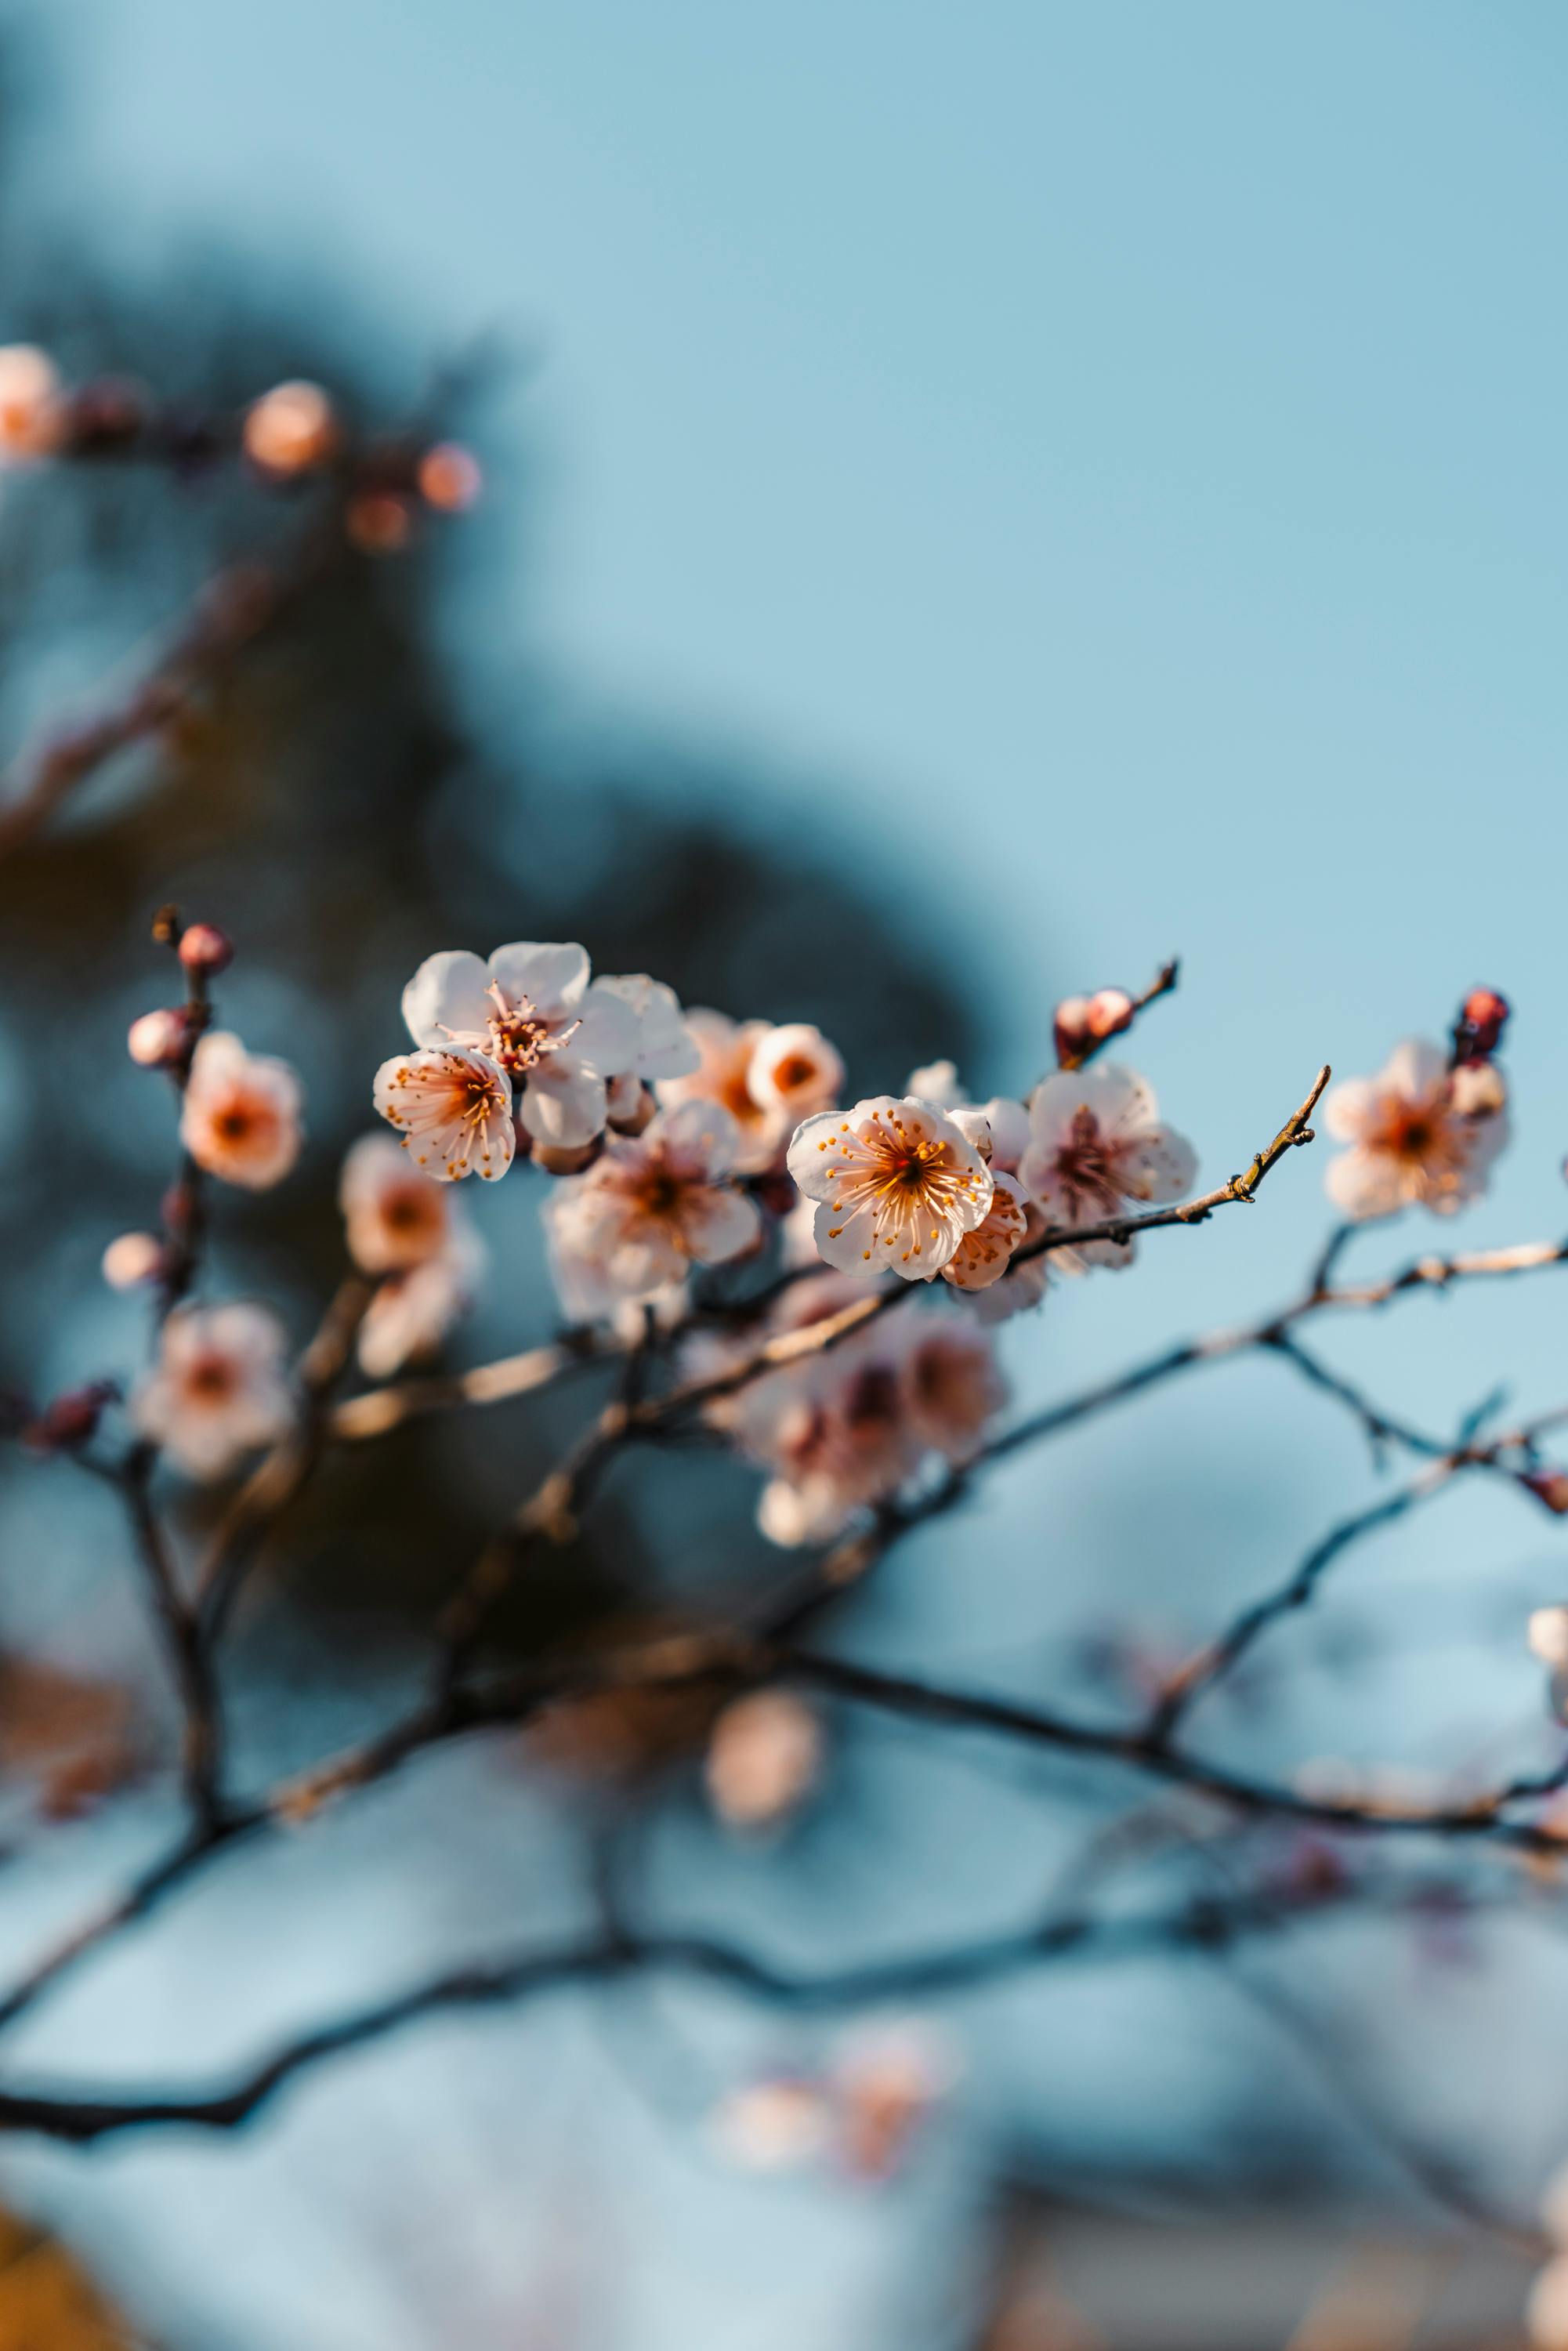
(811, 1153)
(565, 1107)
(605, 1038)
(665, 1046)
(1158, 1165)
(1347, 1108)
(848, 1242)
(551, 977)
(719, 1224)
(1415, 1068)
(1364, 1183)
(701, 1135)
(446, 998)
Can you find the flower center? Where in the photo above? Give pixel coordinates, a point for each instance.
(1086, 1164)
(519, 1036)
(210, 1380)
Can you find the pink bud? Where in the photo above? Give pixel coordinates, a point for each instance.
(205, 948)
(1549, 1487)
(1110, 1011)
(1478, 1032)
(1070, 1027)
(158, 1039)
(133, 1259)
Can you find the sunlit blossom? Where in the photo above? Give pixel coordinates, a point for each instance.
(532, 1014)
(764, 1755)
(726, 1050)
(898, 1183)
(795, 1071)
(240, 1117)
(395, 1216)
(983, 1256)
(655, 1203)
(32, 405)
(773, 2126)
(219, 1388)
(454, 1111)
(412, 1310)
(131, 1259)
(885, 2084)
(1097, 1148)
(290, 429)
(1420, 1133)
(952, 1383)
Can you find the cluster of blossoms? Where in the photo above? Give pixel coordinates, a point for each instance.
(1423, 1133)
(862, 2111)
(286, 436)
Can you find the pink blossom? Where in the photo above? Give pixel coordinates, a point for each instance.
(454, 1110)
(898, 1182)
(218, 1390)
(532, 1014)
(655, 1203)
(1420, 1133)
(1096, 1149)
(240, 1118)
(726, 1049)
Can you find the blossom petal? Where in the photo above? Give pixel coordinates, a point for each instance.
(563, 1106)
(666, 1045)
(1158, 1165)
(551, 977)
(1365, 1183)
(719, 1224)
(810, 1150)
(605, 1038)
(1348, 1108)
(454, 1111)
(445, 998)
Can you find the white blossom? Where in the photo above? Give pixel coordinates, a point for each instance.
(395, 1217)
(1096, 1147)
(898, 1183)
(449, 1106)
(764, 1755)
(794, 1071)
(726, 1050)
(412, 1310)
(655, 1203)
(532, 1014)
(218, 1389)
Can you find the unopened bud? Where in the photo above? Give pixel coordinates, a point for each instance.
(449, 477)
(131, 1259)
(290, 429)
(1478, 1032)
(205, 948)
(157, 1039)
(1069, 1026)
(557, 1159)
(72, 1418)
(1110, 1011)
(1550, 1487)
(1082, 1023)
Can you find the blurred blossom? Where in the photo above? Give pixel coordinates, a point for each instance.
(885, 2082)
(1097, 1149)
(726, 1050)
(414, 1308)
(33, 411)
(158, 1039)
(131, 1259)
(795, 1071)
(1548, 1636)
(1420, 1133)
(774, 2126)
(1082, 1023)
(218, 1390)
(660, 1045)
(378, 522)
(395, 1216)
(449, 477)
(1546, 2312)
(655, 1203)
(290, 429)
(938, 1081)
(899, 1185)
(240, 1120)
(763, 1759)
(954, 1383)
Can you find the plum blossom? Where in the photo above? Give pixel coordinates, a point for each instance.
(983, 1256)
(413, 1309)
(219, 1388)
(885, 2082)
(1026, 1284)
(726, 1050)
(1096, 1147)
(132, 1259)
(845, 1429)
(290, 429)
(655, 1203)
(663, 1044)
(1420, 1133)
(794, 1071)
(395, 1216)
(764, 1755)
(32, 405)
(773, 2125)
(938, 1081)
(531, 1015)
(450, 1106)
(240, 1117)
(898, 1182)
